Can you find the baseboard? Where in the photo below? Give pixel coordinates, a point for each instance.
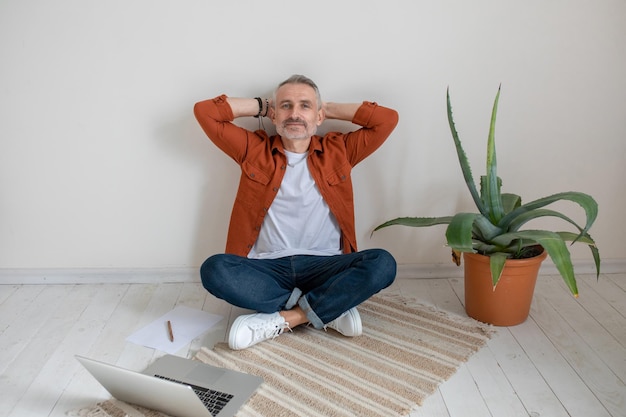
(98, 275)
(27, 276)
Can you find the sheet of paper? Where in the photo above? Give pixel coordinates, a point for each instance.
(187, 324)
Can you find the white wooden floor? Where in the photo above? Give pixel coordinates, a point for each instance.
(568, 359)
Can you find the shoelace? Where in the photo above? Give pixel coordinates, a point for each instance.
(264, 331)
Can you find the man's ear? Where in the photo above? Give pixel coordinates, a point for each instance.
(272, 115)
(321, 116)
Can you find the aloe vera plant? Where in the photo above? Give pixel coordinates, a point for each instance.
(495, 230)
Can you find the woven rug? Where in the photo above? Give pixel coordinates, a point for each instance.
(405, 352)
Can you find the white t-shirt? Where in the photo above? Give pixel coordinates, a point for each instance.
(299, 221)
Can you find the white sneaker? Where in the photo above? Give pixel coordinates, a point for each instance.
(348, 324)
(251, 329)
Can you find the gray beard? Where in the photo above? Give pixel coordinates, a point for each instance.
(284, 133)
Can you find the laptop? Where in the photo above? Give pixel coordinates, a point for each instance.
(177, 386)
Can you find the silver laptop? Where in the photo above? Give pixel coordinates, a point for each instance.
(177, 386)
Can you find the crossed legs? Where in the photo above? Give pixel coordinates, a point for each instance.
(322, 286)
(298, 289)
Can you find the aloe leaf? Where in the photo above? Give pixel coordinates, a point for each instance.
(415, 222)
(486, 229)
(459, 232)
(525, 217)
(587, 202)
(484, 195)
(554, 245)
(484, 248)
(496, 264)
(463, 161)
(510, 202)
(595, 253)
(492, 197)
(571, 237)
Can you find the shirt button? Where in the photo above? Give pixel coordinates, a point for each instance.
(275, 189)
(252, 175)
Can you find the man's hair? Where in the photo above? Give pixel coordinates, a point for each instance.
(300, 79)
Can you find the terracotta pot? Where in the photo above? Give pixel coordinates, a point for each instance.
(509, 303)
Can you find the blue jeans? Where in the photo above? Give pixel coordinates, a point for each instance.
(323, 286)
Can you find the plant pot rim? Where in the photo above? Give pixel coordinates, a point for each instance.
(477, 257)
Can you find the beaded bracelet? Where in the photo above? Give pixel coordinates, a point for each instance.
(260, 106)
(267, 107)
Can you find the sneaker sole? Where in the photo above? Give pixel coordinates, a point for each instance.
(356, 318)
(233, 331)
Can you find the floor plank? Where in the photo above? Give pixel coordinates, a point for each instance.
(617, 279)
(532, 389)
(434, 406)
(38, 350)
(82, 390)
(606, 303)
(100, 302)
(461, 395)
(494, 386)
(7, 291)
(22, 316)
(584, 360)
(560, 377)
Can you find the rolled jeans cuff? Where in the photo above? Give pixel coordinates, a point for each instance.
(293, 298)
(310, 314)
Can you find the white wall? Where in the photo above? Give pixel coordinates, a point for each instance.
(103, 165)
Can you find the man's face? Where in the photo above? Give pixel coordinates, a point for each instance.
(296, 115)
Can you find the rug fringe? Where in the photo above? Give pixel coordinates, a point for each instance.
(114, 408)
(487, 329)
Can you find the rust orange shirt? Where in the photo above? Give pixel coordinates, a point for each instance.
(263, 162)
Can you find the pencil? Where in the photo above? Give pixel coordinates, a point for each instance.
(170, 331)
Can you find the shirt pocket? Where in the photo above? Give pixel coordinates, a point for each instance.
(254, 182)
(254, 174)
(340, 176)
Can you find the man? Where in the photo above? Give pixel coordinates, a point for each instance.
(291, 251)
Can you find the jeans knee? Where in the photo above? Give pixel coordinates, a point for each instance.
(386, 267)
(211, 271)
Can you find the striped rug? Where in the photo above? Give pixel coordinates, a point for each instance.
(405, 352)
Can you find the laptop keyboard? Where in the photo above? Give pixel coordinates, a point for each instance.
(213, 400)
